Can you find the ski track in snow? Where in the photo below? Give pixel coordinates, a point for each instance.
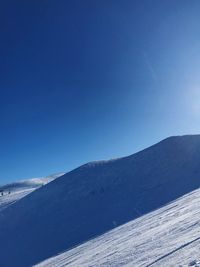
(167, 237)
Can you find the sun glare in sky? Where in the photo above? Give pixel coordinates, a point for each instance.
(90, 80)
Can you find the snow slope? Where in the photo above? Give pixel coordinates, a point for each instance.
(96, 197)
(169, 236)
(14, 191)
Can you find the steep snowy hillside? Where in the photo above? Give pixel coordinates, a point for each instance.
(95, 198)
(12, 192)
(167, 237)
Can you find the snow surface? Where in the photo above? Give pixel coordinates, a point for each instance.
(97, 197)
(169, 236)
(15, 191)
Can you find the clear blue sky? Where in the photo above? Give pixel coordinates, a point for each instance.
(94, 79)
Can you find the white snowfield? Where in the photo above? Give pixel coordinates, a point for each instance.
(15, 191)
(97, 197)
(167, 237)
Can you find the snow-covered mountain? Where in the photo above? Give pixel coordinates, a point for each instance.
(95, 198)
(166, 237)
(12, 192)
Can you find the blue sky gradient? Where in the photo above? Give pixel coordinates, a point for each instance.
(88, 80)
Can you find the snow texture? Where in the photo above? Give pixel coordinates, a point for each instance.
(167, 237)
